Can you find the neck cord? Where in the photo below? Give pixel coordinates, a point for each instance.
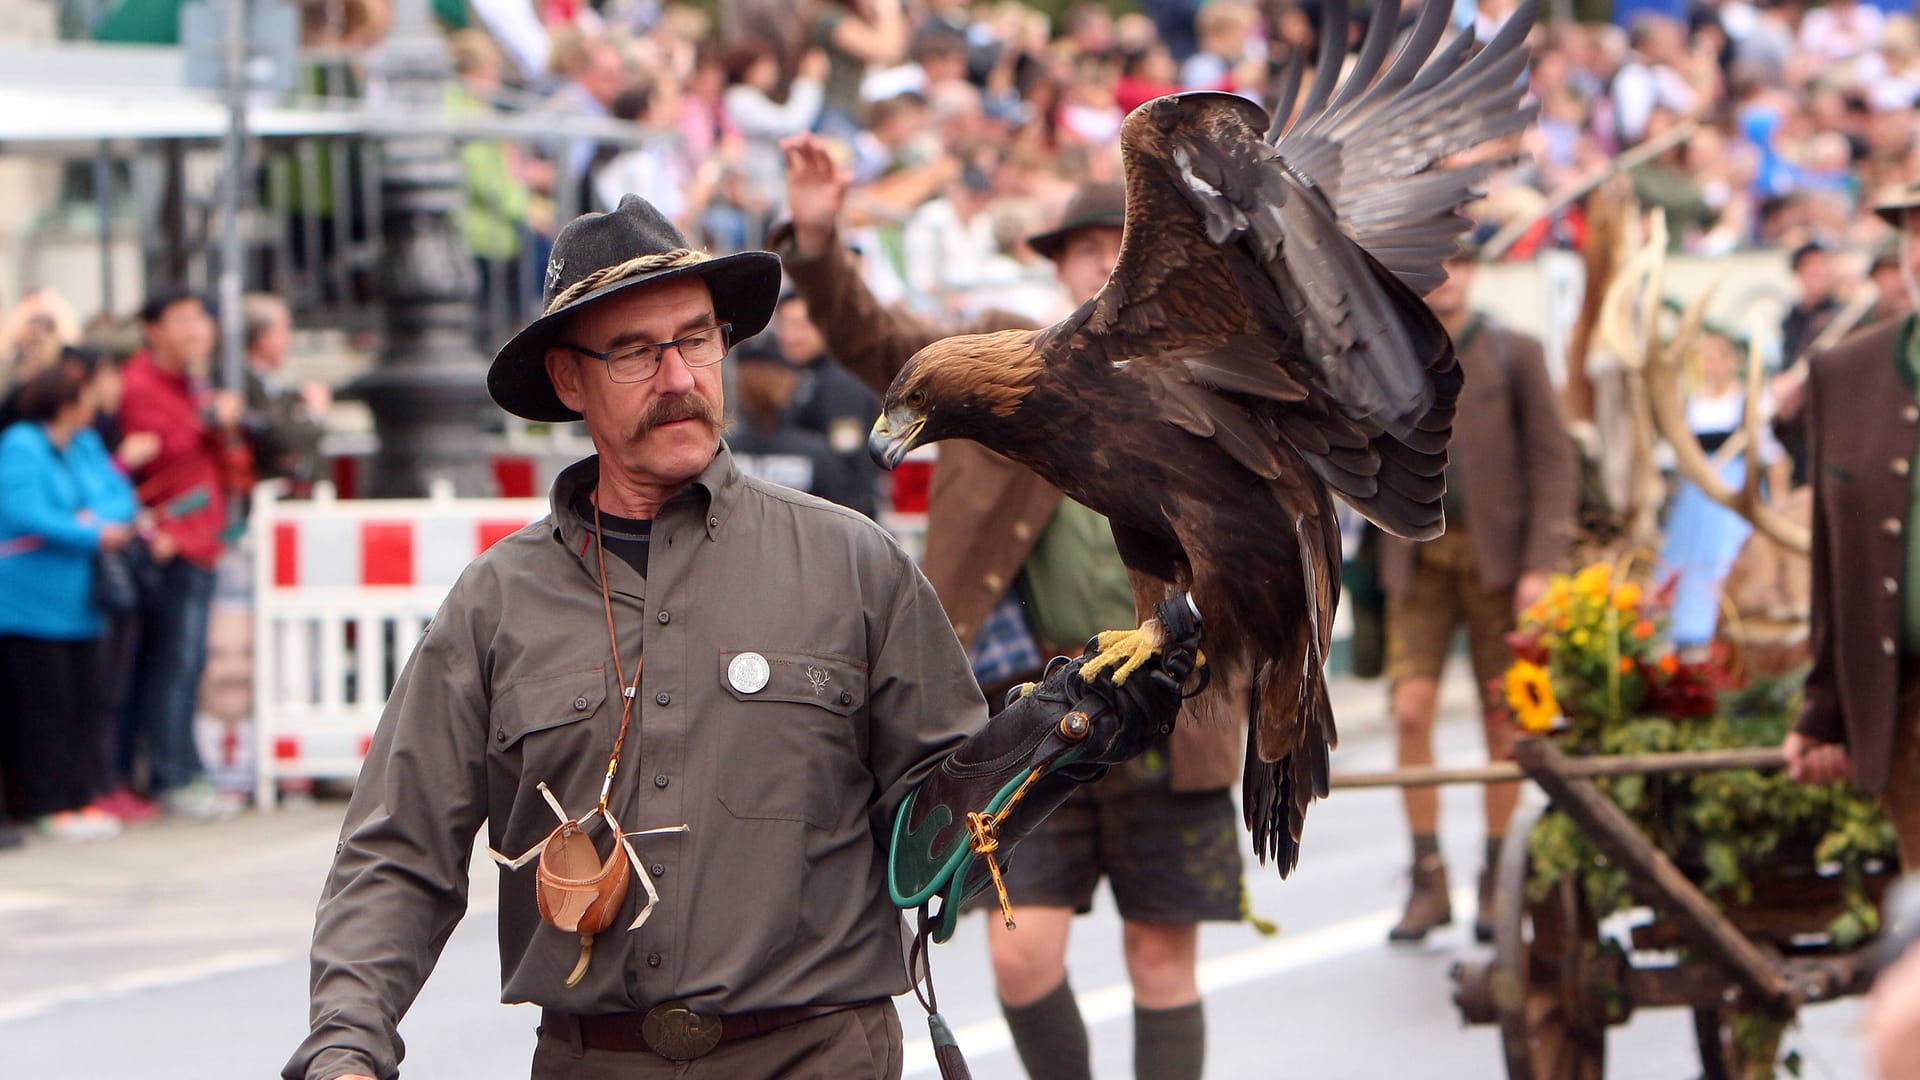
(629, 690)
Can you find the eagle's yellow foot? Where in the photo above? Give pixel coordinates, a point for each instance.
(1130, 649)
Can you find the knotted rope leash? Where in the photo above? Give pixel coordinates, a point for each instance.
(634, 267)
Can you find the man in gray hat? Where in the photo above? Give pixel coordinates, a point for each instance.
(1861, 716)
(704, 680)
(1025, 572)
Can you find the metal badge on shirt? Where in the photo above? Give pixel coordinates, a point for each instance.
(749, 672)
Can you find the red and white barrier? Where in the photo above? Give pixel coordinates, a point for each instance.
(343, 589)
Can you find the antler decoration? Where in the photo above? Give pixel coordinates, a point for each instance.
(1656, 372)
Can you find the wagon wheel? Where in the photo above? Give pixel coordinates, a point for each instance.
(1549, 1030)
(1721, 1056)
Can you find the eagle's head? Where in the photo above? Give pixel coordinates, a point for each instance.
(958, 387)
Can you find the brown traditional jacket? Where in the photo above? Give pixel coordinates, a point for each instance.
(1862, 422)
(984, 512)
(1514, 461)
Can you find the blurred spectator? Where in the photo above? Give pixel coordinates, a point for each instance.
(1891, 299)
(949, 241)
(829, 401)
(595, 76)
(1223, 29)
(753, 75)
(658, 170)
(1145, 74)
(202, 465)
(768, 445)
(31, 335)
(493, 216)
(62, 503)
(1839, 30)
(857, 35)
(1654, 77)
(1818, 283)
(1701, 536)
(284, 424)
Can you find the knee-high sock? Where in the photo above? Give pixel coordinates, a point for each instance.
(1050, 1036)
(1169, 1044)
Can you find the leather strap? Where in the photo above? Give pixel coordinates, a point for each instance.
(622, 1031)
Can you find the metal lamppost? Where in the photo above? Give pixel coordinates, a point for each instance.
(428, 392)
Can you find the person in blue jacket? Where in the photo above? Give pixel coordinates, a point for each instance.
(62, 501)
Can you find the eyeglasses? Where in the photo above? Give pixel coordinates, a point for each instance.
(638, 363)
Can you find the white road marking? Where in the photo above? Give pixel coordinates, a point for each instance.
(145, 979)
(1288, 952)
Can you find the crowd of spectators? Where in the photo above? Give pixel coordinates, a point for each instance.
(1764, 125)
(122, 477)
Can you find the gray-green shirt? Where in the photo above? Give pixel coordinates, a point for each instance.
(777, 894)
(1074, 584)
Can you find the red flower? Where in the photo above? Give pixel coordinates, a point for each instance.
(1528, 647)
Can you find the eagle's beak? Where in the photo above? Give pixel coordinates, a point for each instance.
(888, 446)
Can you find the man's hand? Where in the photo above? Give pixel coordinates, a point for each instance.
(115, 537)
(138, 448)
(228, 406)
(1892, 1025)
(1529, 589)
(816, 193)
(1811, 761)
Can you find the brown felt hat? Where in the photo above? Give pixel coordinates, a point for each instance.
(1096, 204)
(612, 249)
(1894, 208)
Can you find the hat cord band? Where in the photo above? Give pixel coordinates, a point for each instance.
(641, 264)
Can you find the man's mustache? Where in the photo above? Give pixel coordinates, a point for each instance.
(685, 407)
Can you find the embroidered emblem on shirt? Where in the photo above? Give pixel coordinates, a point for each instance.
(817, 678)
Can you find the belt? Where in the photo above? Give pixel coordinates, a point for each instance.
(676, 1032)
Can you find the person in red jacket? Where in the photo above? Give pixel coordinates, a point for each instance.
(202, 464)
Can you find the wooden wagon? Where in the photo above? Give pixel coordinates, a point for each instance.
(1555, 983)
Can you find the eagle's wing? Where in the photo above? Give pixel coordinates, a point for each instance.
(1283, 323)
(1378, 149)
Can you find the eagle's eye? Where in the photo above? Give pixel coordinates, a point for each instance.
(917, 399)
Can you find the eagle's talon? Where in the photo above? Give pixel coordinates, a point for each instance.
(1130, 649)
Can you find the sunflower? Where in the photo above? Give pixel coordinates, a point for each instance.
(1595, 581)
(1530, 694)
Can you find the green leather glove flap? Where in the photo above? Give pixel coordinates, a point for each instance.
(1065, 731)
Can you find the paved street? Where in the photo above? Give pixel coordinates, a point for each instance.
(178, 951)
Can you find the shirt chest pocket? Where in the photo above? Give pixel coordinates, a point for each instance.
(790, 723)
(548, 726)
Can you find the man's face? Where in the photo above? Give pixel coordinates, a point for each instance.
(1449, 298)
(183, 337)
(1815, 274)
(271, 344)
(794, 332)
(660, 432)
(1086, 260)
(605, 75)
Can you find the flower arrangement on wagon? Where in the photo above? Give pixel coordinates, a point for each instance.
(1594, 670)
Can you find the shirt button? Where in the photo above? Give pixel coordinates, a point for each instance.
(660, 780)
(580, 702)
(1911, 414)
(713, 523)
(846, 698)
(665, 618)
(653, 959)
(1886, 645)
(1900, 466)
(1022, 530)
(1890, 585)
(1891, 526)
(500, 736)
(659, 869)
(662, 698)
(996, 582)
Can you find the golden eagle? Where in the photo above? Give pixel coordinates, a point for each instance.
(1261, 345)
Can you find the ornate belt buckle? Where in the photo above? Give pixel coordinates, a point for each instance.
(677, 1033)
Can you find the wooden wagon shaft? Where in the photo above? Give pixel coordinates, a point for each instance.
(1692, 761)
(1654, 876)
